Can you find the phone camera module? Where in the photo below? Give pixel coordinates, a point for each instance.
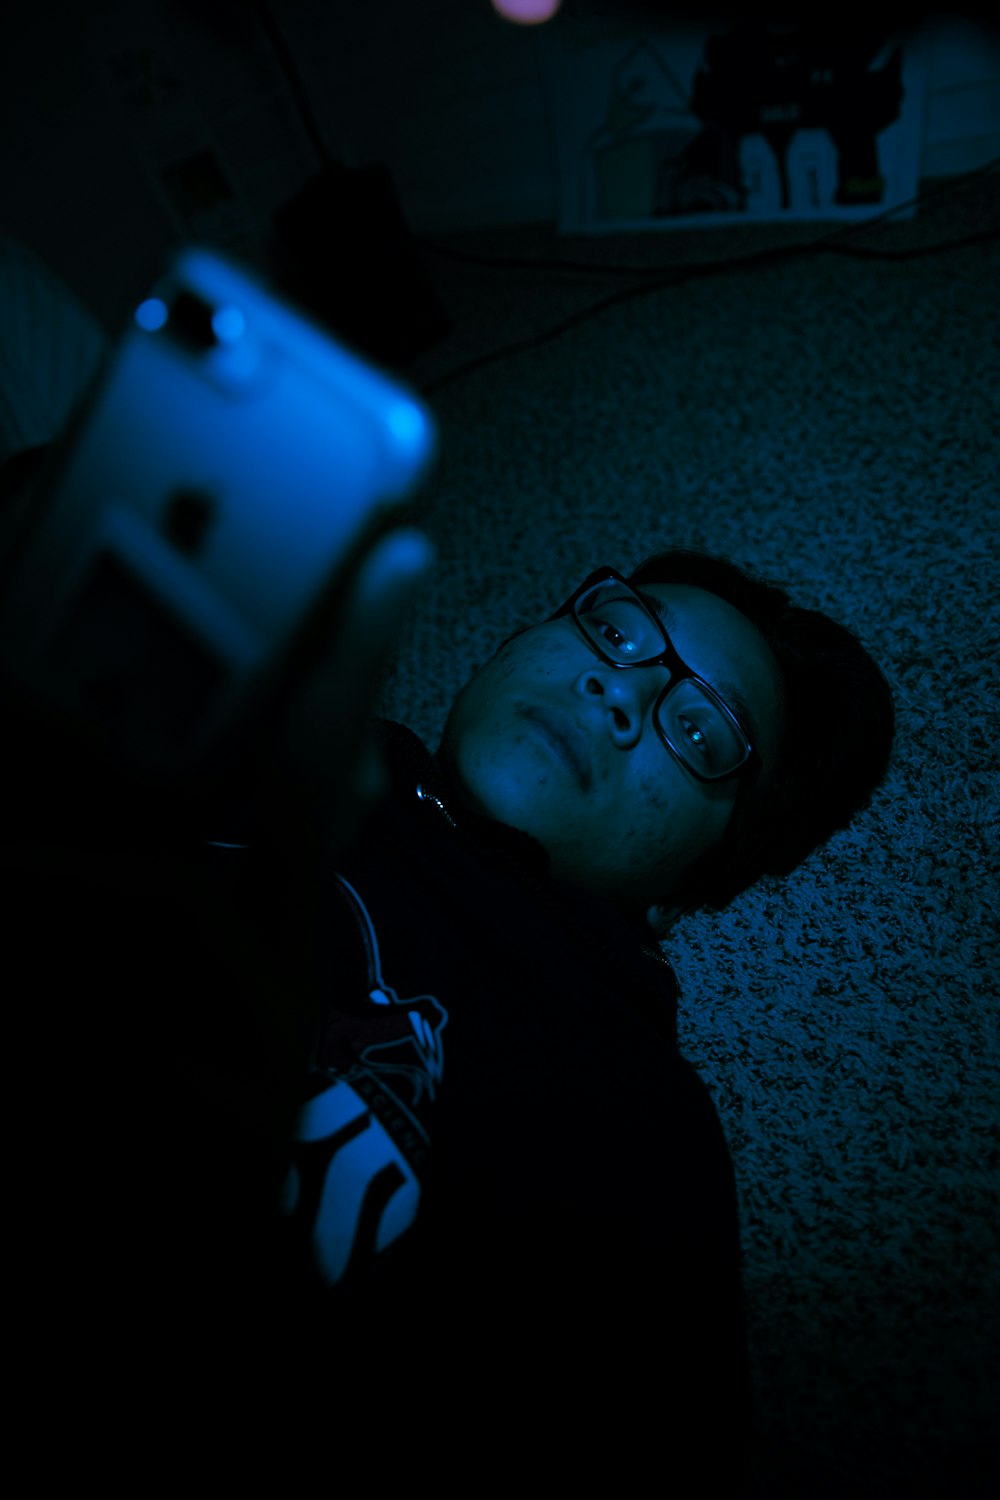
(192, 321)
(228, 324)
(152, 314)
(216, 331)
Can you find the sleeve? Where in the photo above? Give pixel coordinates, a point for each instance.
(598, 1346)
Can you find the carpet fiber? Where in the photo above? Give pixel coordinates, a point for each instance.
(831, 421)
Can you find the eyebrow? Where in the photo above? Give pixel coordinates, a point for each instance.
(658, 607)
(727, 690)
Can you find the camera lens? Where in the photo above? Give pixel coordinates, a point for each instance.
(190, 322)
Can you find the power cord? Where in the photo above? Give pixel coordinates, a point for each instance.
(952, 185)
(653, 278)
(669, 276)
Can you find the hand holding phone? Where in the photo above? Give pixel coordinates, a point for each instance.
(322, 772)
(237, 479)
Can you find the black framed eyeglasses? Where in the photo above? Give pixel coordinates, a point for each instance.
(692, 720)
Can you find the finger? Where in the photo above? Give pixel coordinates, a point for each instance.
(332, 711)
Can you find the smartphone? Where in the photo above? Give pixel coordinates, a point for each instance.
(188, 550)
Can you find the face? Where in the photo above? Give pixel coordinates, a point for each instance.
(552, 740)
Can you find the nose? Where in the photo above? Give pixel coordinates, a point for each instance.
(626, 698)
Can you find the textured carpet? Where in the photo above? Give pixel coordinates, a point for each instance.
(833, 422)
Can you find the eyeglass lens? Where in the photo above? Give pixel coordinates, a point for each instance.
(696, 724)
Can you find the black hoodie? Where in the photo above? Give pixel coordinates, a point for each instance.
(507, 1205)
(508, 1162)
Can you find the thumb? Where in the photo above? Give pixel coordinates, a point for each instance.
(328, 773)
(332, 709)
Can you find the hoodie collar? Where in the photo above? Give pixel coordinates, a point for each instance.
(622, 942)
(414, 771)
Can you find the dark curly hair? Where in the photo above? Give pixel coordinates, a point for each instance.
(836, 742)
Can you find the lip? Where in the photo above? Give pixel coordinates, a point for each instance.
(567, 742)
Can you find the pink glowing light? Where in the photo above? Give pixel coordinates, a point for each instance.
(526, 12)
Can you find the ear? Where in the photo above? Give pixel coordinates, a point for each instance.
(661, 918)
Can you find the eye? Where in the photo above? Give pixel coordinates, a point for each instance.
(701, 730)
(696, 737)
(619, 626)
(614, 637)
